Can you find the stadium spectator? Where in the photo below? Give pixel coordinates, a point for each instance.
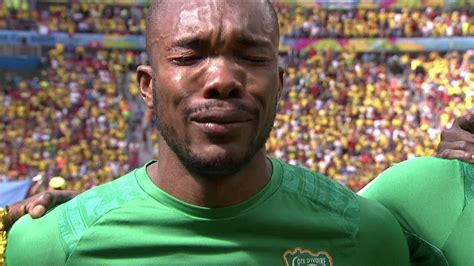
(76, 17)
(319, 22)
(350, 117)
(295, 21)
(75, 121)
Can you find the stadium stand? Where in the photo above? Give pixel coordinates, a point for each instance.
(295, 21)
(352, 116)
(317, 22)
(70, 120)
(77, 17)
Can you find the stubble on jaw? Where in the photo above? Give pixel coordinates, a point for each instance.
(220, 167)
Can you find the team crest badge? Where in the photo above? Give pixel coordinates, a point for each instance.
(306, 257)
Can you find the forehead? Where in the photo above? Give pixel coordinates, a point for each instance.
(180, 18)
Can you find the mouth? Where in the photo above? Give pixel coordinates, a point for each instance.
(221, 122)
(220, 116)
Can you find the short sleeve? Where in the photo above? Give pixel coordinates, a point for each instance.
(35, 241)
(381, 237)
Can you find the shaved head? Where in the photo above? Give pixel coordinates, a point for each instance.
(157, 7)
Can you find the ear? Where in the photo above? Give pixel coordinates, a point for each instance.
(281, 76)
(145, 81)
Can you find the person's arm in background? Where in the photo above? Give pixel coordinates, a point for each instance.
(457, 142)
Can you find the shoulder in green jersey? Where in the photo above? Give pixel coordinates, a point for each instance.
(433, 201)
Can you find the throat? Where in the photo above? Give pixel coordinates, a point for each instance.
(215, 191)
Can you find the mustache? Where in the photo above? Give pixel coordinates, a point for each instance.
(218, 104)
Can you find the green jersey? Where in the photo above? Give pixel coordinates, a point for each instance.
(298, 218)
(433, 200)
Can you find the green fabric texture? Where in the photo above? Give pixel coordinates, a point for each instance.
(298, 218)
(432, 199)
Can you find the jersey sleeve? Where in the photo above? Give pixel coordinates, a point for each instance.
(35, 241)
(380, 236)
(426, 196)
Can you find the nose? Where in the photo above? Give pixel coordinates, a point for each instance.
(224, 79)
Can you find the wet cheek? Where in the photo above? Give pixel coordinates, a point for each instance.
(178, 77)
(264, 92)
(179, 88)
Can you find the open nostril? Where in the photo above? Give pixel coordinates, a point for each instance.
(234, 94)
(222, 94)
(213, 94)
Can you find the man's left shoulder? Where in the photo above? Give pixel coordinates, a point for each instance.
(380, 234)
(358, 216)
(317, 187)
(374, 216)
(324, 193)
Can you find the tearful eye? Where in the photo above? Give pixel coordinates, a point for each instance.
(255, 59)
(186, 60)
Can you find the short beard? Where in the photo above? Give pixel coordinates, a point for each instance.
(226, 166)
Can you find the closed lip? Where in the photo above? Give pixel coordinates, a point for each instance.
(221, 116)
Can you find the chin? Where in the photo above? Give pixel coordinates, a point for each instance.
(216, 162)
(213, 159)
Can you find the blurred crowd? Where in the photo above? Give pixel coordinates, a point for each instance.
(295, 21)
(350, 117)
(76, 17)
(346, 115)
(77, 118)
(316, 22)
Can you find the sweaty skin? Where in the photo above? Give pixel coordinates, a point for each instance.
(225, 67)
(193, 19)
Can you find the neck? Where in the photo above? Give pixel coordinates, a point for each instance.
(170, 175)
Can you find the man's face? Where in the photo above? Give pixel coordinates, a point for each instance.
(215, 81)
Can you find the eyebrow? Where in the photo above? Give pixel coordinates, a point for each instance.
(191, 42)
(197, 43)
(252, 40)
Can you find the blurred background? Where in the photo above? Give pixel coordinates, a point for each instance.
(368, 83)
